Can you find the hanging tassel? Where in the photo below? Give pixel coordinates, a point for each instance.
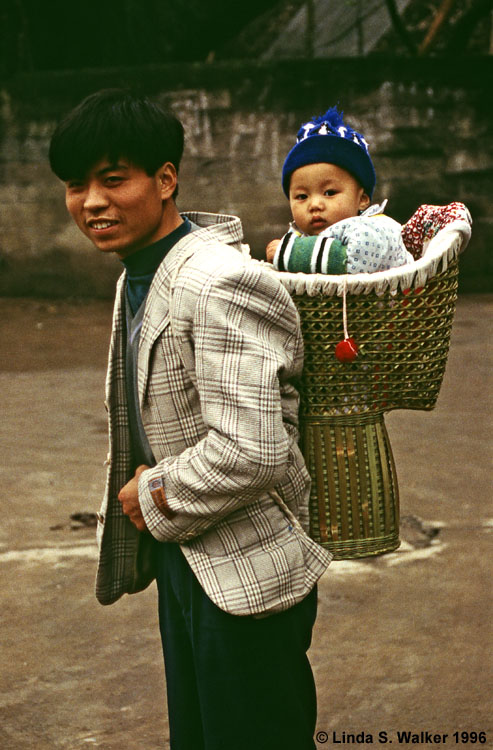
(347, 350)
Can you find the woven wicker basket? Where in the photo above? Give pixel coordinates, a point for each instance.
(401, 320)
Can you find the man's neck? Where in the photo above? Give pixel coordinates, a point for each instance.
(143, 264)
(170, 221)
(172, 218)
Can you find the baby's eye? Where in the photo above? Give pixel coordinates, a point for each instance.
(300, 196)
(330, 192)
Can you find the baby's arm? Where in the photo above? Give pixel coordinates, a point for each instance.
(354, 245)
(309, 254)
(372, 243)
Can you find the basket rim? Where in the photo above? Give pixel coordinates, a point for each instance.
(444, 248)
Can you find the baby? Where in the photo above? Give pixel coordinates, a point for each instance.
(329, 178)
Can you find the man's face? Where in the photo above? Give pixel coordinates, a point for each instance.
(321, 194)
(118, 206)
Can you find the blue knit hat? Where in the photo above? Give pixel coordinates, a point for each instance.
(328, 139)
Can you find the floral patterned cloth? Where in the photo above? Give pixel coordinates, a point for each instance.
(427, 221)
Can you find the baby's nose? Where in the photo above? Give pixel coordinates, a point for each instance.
(316, 201)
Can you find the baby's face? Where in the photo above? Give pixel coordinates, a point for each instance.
(321, 194)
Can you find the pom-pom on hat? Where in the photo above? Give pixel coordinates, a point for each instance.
(328, 139)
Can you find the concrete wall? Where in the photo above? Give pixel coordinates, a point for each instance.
(428, 123)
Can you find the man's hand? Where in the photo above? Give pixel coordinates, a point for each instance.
(129, 499)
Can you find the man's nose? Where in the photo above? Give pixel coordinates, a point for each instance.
(95, 197)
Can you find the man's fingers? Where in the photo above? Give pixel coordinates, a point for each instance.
(121, 495)
(129, 499)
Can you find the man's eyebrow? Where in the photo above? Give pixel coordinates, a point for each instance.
(116, 166)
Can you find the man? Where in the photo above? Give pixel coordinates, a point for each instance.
(207, 490)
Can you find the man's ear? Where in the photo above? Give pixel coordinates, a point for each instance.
(168, 179)
(364, 201)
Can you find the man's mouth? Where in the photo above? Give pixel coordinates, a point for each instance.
(99, 224)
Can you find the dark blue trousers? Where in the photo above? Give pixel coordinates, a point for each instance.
(233, 683)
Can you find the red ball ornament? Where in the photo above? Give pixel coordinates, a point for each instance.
(347, 350)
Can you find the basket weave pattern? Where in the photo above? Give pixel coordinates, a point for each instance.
(403, 338)
(354, 501)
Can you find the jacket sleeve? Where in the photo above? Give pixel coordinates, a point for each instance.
(355, 245)
(243, 329)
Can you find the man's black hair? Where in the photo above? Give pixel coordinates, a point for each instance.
(113, 124)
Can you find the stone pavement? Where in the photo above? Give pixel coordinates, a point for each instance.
(402, 642)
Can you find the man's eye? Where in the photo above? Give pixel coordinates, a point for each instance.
(74, 185)
(113, 179)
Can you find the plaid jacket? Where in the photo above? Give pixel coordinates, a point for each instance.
(219, 348)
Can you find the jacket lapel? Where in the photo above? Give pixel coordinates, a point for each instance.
(116, 359)
(156, 314)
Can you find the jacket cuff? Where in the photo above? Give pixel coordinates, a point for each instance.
(155, 504)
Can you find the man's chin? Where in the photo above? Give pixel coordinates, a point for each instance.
(106, 248)
(110, 247)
